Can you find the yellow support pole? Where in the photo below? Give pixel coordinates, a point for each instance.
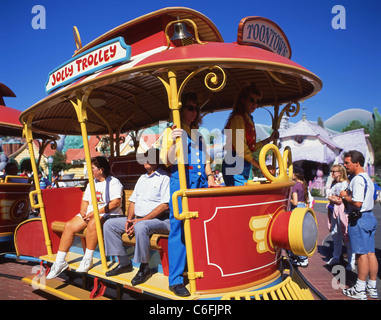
(80, 108)
(109, 128)
(175, 107)
(27, 132)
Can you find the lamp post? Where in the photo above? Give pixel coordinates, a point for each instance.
(50, 163)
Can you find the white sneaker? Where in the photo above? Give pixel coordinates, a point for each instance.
(353, 293)
(56, 269)
(85, 265)
(302, 263)
(372, 292)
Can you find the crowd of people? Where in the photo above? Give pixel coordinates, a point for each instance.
(351, 221)
(10, 167)
(350, 216)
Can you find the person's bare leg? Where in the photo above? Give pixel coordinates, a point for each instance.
(373, 266)
(363, 267)
(71, 227)
(91, 235)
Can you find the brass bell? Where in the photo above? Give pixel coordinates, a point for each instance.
(181, 36)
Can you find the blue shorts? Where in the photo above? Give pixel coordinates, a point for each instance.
(361, 234)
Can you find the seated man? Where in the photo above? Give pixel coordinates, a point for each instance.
(109, 197)
(147, 214)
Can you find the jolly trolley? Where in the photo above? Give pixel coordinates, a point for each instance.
(132, 77)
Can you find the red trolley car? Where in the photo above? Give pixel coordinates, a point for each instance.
(131, 78)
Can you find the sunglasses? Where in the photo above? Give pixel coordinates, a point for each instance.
(335, 171)
(192, 108)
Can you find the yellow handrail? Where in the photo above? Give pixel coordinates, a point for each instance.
(7, 178)
(185, 214)
(27, 132)
(284, 163)
(33, 204)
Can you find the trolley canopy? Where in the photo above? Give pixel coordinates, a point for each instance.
(131, 89)
(9, 122)
(9, 117)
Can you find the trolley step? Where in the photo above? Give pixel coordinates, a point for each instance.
(60, 289)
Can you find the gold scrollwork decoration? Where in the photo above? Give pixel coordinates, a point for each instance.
(291, 110)
(212, 81)
(212, 78)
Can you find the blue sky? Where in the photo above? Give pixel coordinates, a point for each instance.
(347, 60)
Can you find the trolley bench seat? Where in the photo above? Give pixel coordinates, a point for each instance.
(58, 212)
(155, 242)
(158, 242)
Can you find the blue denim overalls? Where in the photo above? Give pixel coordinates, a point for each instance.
(195, 157)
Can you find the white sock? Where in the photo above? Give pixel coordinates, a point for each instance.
(61, 256)
(360, 285)
(88, 254)
(372, 283)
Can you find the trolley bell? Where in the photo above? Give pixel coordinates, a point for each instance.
(181, 36)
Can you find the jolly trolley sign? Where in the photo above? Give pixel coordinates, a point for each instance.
(95, 59)
(263, 33)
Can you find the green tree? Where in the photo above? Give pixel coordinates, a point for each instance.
(375, 140)
(374, 131)
(59, 162)
(355, 124)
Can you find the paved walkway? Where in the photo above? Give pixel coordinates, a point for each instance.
(321, 276)
(11, 286)
(317, 273)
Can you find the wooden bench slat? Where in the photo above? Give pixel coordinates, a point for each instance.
(58, 227)
(127, 195)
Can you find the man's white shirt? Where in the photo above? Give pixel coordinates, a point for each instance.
(150, 191)
(357, 187)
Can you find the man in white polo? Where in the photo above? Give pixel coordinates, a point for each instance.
(148, 213)
(361, 227)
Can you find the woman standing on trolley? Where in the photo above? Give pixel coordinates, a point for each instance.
(198, 175)
(241, 139)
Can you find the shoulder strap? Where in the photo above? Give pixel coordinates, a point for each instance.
(107, 190)
(366, 185)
